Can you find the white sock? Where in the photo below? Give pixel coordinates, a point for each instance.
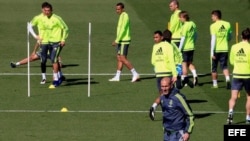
(183, 76)
(43, 76)
(194, 73)
(55, 76)
(17, 63)
(248, 117)
(231, 111)
(227, 78)
(215, 82)
(134, 71)
(60, 74)
(118, 73)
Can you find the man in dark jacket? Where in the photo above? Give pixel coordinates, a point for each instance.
(178, 118)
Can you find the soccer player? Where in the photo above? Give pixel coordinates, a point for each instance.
(52, 32)
(35, 55)
(167, 37)
(121, 43)
(240, 59)
(178, 118)
(187, 47)
(220, 32)
(175, 23)
(162, 59)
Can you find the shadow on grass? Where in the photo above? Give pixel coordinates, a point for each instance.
(79, 81)
(141, 78)
(202, 115)
(196, 101)
(204, 75)
(69, 65)
(209, 82)
(147, 77)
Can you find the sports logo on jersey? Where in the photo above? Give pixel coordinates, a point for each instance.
(222, 28)
(241, 52)
(192, 29)
(170, 104)
(159, 51)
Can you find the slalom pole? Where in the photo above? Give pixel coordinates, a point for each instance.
(89, 58)
(236, 40)
(28, 53)
(236, 32)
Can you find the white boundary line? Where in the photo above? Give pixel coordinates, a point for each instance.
(89, 111)
(83, 74)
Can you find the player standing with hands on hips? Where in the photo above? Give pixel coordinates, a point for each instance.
(178, 118)
(121, 43)
(52, 33)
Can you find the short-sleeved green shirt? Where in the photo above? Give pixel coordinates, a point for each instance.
(222, 30)
(188, 31)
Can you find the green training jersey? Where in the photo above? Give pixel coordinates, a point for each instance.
(50, 29)
(175, 25)
(163, 60)
(240, 59)
(222, 31)
(38, 22)
(188, 31)
(123, 29)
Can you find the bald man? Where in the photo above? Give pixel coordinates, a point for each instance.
(178, 118)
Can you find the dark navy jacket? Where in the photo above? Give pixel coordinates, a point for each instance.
(177, 114)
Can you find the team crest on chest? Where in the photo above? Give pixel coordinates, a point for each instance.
(170, 103)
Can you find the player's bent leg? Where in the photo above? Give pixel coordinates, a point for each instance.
(125, 61)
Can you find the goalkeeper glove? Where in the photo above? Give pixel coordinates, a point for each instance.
(151, 113)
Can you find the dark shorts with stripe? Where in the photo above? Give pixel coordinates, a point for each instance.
(54, 51)
(239, 83)
(188, 56)
(221, 58)
(44, 49)
(122, 49)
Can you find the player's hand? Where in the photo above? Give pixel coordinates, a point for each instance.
(62, 43)
(174, 79)
(39, 39)
(213, 57)
(114, 43)
(185, 137)
(152, 113)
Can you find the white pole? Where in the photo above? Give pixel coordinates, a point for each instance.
(89, 53)
(28, 53)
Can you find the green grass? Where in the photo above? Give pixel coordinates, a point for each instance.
(114, 111)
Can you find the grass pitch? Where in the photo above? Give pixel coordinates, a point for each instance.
(114, 111)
